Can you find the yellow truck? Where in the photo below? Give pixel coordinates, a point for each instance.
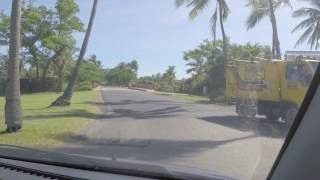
(273, 88)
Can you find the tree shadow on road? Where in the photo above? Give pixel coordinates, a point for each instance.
(157, 113)
(115, 114)
(259, 126)
(132, 102)
(156, 150)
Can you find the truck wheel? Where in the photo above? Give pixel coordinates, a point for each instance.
(252, 113)
(291, 114)
(271, 116)
(242, 114)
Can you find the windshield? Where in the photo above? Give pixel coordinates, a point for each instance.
(210, 85)
(314, 65)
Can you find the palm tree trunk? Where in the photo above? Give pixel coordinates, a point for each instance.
(13, 114)
(60, 80)
(64, 100)
(276, 51)
(224, 37)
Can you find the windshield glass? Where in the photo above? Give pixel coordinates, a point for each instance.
(197, 84)
(314, 65)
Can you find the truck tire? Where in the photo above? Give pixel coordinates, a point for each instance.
(291, 114)
(246, 108)
(252, 113)
(273, 117)
(246, 112)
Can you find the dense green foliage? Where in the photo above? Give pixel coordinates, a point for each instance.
(49, 46)
(206, 67)
(122, 75)
(91, 71)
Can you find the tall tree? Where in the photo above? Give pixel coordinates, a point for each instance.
(37, 24)
(195, 60)
(61, 41)
(67, 95)
(46, 33)
(170, 75)
(13, 113)
(134, 66)
(311, 24)
(221, 8)
(267, 8)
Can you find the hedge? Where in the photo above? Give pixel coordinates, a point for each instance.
(34, 85)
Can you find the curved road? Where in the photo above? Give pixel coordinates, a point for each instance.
(143, 126)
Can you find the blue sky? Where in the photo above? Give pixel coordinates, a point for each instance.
(155, 33)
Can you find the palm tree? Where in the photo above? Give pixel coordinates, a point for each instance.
(195, 61)
(221, 8)
(13, 114)
(134, 66)
(267, 8)
(170, 75)
(64, 100)
(311, 24)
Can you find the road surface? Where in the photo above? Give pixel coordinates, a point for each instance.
(143, 126)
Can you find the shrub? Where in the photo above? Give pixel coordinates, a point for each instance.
(83, 86)
(2, 88)
(33, 85)
(220, 100)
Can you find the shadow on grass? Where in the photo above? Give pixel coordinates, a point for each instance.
(4, 132)
(140, 149)
(259, 126)
(116, 113)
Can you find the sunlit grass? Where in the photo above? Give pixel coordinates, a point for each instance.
(48, 127)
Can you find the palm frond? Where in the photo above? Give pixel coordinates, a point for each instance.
(306, 12)
(179, 3)
(198, 7)
(281, 3)
(252, 3)
(225, 9)
(213, 21)
(305, 23)
(304, 36)
(254, 18)
(192, 64)
(191, 70)
(311, 25)
(315, 37)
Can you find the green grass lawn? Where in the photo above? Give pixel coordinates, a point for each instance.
(48, 127)
(193, 98)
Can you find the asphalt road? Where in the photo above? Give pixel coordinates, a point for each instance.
(143, 126)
